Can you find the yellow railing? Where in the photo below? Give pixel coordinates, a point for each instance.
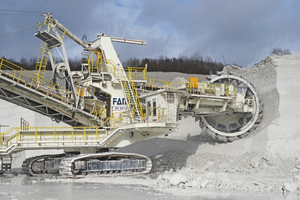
(110, 66)
(118, 72)
(51, 89)
(202, 88)
(136, 73)
(159, 84)
(212, 89)
(42, 134)
(40, 26)
(136, 97)
(129, 98)
(29, 79)
(44, 51)
(97, 66)
(47, 25)
(75, 134)
(8, 133)
(24, 124)
(55, 133)
(95, 109)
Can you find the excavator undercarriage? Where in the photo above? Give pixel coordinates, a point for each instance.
(100, 164)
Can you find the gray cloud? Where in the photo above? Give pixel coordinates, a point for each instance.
(243, 31)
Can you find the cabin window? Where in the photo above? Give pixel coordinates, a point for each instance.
(154, 106)
(149, 108)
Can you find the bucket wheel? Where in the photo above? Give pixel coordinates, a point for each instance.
(234, 125)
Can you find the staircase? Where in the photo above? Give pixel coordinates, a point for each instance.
(132, 99)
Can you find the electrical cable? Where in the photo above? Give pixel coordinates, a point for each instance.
(21, 11)
(24, 14)
(17, 31)
(61, 77)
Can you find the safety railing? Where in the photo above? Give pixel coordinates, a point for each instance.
(27, 78)
(47, 25)
(110, 66)
(4, 142)
(202, 88)
(85, 61)
(136, 73)
(212, 89)
(140, 73)
(95, 109)
(96, 65)
(24, 124)
(39, 134)
(100, 65)
(52, 134)
(44, 50)
(155, 114)
(138, 106)
(129, 98)
(154, 84)
(119, 73)
(43, 135)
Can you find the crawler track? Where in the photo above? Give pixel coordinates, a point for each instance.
(40, 165)
(105, 164)
(100, 164)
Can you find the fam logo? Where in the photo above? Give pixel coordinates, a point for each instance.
(119, 104)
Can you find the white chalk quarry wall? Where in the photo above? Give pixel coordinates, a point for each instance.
(11, 115)
(279, 91)
(284, 132)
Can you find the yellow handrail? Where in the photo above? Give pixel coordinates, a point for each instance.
(137, 73)
(29, 79)
(49, 88)
(111, 123)
(203, 88)
(137, 99)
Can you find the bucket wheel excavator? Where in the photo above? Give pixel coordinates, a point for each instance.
(107, 107)
(232, 125)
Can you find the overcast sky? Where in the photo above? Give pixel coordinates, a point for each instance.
(244, 31)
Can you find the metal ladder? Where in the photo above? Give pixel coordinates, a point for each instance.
(42, 64)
